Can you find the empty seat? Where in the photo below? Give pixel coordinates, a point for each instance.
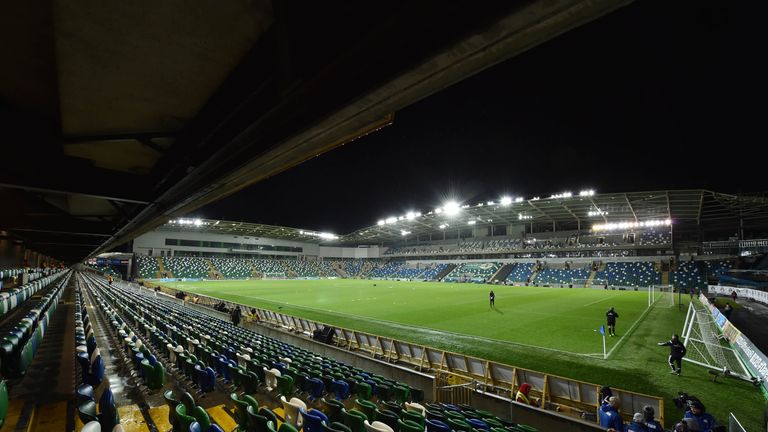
(378, 426)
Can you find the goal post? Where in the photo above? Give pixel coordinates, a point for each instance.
(274, 275)
(661, 295)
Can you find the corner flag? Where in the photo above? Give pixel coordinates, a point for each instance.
(602, 332)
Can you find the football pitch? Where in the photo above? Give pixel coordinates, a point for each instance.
(552, 330)
(563, 320)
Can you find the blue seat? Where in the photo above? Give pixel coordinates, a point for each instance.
(108, 416)
(215, 428)
(340, 388)
(437, 426)
(478, 424)
(97, 372)
(316, 387)
(195, 427)
(84, 394)
(313, 420)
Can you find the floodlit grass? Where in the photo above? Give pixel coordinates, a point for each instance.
(546, 329)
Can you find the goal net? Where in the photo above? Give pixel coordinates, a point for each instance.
(705, 344)
(661, 295)
(274, 275)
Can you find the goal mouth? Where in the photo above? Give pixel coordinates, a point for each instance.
(274, 275)
(587, 283)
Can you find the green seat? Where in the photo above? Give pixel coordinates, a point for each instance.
(172, 403)
(526, 428)
(363, 390)
(336, 427)
(401, 393)
(198, 414)
(413, 416)
(269, 414)
(388, 417)
(409, 426)
(366, 407)
(458, 425)
(256, 422)
(285, 427)
(449, 414)
(234, 373)
(492, 422)
(3, 402)
(499, 429)
(241, 409)
(332, 408)
(485, 414)
(250, 381)
(285, 385)
(384, 392)
(354, 419)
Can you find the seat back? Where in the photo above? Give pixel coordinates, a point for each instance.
(354, 419)
(388, 417)
(437, 426)
(378, 426)
(108, 415)
(313, 420)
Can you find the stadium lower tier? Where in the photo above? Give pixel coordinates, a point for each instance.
(686, 275)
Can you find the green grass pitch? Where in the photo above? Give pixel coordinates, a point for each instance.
(546, 329)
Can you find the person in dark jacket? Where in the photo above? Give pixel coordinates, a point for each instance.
(611, 316)
(650, 422)
(492, 297)
(697, 412)
(236, 314)
(609, 415)
(676, 353)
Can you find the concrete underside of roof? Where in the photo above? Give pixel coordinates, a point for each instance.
(127, 114)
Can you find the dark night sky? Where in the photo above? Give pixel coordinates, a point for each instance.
(636, 100)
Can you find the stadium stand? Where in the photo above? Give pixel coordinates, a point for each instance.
(688, 275)
(233, 268)
(654, 237)
(473, 272)
(186, 267)
(147, 266)
(278, 381)
(561, 275)
(520, 272)
(638, 273)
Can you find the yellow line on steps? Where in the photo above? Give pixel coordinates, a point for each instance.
(131, 419)
(221, 417)
(12, 417)
(49, 418)
(159, 416)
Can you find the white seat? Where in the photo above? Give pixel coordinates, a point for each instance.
(292, 411)
(270, 378)
(118, 428)
(91, 426)
(416, 407)
(171, 353)
(243, 360)
(377, 426)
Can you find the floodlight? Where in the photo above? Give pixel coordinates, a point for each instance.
(198, 222)
(404, 233)
(451, 208)
(505, 201)
(438, 210)
(410, 216)
(381, 222)
(519, 199)
(471, 222)
(391, 220)
(490, 203)
(443, 226)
